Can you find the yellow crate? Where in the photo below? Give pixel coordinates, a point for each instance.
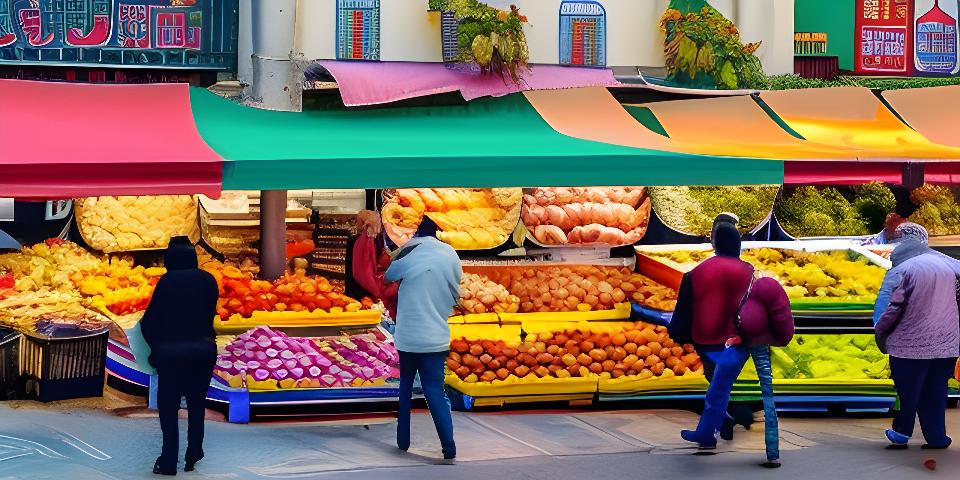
(632, 384)
(238, 324)
(476, 332)
(530, 385)
(620, 311)
(481, 318)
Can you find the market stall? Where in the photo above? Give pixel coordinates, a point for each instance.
(547, 272)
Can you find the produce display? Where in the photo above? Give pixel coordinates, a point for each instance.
(826, 212)
(586, 216)
(241, 293)
(598, 350)
(479, 294)
(691, 210)
(937, 209)
(58, 279)
(822, 357)
(120, 224)
(27, 311)
(836, 276)
(571, 288)
(266, 359)
(467, 218)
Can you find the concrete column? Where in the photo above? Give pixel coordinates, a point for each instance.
(273, 229)
(277, 81)
(245, 43)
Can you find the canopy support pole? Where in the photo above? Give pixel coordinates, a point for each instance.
(273, 232)
(913, 174)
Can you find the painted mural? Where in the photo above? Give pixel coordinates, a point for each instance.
(198, 34)
(935, 37)
(883, 36)
(583, 36)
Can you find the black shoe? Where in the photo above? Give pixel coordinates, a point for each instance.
(191, 462)
(771, 464)
(159, 470)
(944, 446)
(726, 430)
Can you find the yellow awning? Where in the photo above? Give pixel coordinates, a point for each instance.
(738, 126)
(934, 112)
(852, 117)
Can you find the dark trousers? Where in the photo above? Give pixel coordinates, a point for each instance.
(922, 388)
(173, 384)
(430, 366)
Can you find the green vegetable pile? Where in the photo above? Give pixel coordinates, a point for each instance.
(692, 210)
(825, 212)
(937, 209)
(840, 357)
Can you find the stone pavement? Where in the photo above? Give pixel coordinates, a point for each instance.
(82, 443)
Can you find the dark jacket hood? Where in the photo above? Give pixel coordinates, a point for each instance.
(180, 255)
(726, 240)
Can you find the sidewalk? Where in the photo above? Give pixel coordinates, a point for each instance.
(577, 444)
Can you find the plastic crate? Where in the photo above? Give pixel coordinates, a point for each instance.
(63, 368)
(9, 363)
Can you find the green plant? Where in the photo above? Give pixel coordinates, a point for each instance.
(489, 37)
(825, 212)
(703, 48)
(792, 82)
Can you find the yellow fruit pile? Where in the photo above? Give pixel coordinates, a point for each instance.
(837, 275)
(468, 218)
(819, 275)
(119, 224)
(478, 294)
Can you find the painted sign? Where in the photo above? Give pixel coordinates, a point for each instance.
(358, 29)
(806, 43)
(583, 35)
(935, 37)
(883, 36)
(200, 34)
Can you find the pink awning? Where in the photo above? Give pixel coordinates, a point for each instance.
(65, 140)
(371, 83)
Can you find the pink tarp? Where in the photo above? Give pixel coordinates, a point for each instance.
(371, 83)
(60, 140)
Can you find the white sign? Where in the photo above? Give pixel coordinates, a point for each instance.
(6, 209)
(581, 8)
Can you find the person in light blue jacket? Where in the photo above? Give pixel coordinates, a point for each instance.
(894, 276)
(429, 273)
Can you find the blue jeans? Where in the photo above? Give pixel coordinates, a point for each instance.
(729, 362)
(771, 431)
(430, 367)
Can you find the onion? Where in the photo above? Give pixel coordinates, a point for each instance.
(274, 364)
(260, 375)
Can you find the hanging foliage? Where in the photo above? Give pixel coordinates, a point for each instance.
(490, 37)
(703, 49)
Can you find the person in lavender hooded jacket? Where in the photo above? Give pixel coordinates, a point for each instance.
(920, 330)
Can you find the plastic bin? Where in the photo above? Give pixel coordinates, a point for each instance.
(63, 368)
(9, 363)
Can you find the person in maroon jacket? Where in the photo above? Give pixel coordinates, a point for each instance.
(707, 304)
(712, 298)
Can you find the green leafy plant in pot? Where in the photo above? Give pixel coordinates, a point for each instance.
(491, 38)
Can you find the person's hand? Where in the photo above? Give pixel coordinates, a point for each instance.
(734, 340)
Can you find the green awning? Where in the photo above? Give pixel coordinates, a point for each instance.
(486, 143)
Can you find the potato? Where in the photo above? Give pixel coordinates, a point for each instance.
(584, 359)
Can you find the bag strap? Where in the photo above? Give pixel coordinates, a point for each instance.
(737, 322)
